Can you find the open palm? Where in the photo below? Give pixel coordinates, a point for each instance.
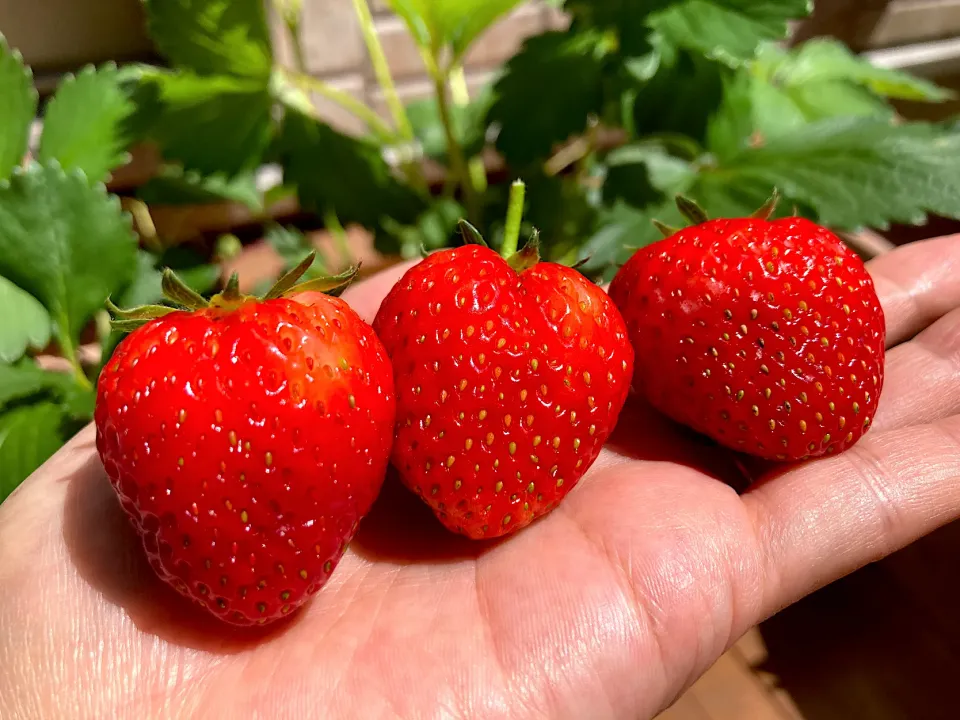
(608, 607)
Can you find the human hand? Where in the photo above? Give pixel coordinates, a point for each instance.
(606, 608)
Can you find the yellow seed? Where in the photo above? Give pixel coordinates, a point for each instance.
(482, 415)
(772, 424)
(498, 487)
(803, 426)
(501, 342)
(468, 443)
(767, 393)
(489, 439)
(529, 420)
(523, 395)
(463, 384)
(243, 516)
(576, 443)
(507, 420)
(556, 441)
(536, 440)
(559, 482)
(182, 415)
(450, 460)
(268, 459)
(512, 448)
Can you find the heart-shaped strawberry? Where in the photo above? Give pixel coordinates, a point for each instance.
(510, 378)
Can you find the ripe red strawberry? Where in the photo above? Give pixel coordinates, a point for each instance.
(766, 336)
(246, 439)
(509, 383)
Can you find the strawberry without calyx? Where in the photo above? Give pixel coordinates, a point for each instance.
(246, 439)
(766, 336)
(509, 383)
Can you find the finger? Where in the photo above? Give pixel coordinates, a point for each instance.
(922, 382)
(827, 518)
(917, 284)
(365, 296)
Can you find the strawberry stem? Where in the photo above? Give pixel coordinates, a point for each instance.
(511, 233)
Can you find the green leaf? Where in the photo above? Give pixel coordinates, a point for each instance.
(24, 323)
(822, 59)
(28, 436)
(621, 229)
(213, 125)
(681, 97)
(547, 93)
(645, 174)
(174, 186)
(563, 212)
(65, 242)
(435, 228)
(18, 98)
(852, 172)
(213, 36)
(346, 174)
(84, 123)
(729, 31)
(786, 90)
(293, 246)
(435, 24)
(25, 379)
(469, 124)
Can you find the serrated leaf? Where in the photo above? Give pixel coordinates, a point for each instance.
(24, 322)
(469, 124)
(65, 242)
(852, 172)
(562, 211)
(18, 98)
(173, 186)
(785, 90)
(215, 125)
(729, 31)
(293, 246)
(436, 24)
(213, 36)
(349, 175)
(681, 97)
(84, 125)
(547, 93)
(28, 436)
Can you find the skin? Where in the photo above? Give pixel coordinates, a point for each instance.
(606, 608)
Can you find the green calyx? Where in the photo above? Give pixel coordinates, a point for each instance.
(183, 298)
(522, 259)
(696, 214)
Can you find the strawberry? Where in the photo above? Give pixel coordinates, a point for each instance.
(767, 336)
(246, 439)
(510, 379)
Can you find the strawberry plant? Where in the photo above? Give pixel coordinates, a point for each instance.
(605, 122)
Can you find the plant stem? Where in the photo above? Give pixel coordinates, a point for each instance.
(461, 97)
(511, 232)
(458, 163)
(70, 354)
(382, 70)
(343, 99)
(335, 227)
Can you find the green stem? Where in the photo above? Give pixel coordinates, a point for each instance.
(461, 97)
(343, 99)
(70, 354)
(382, 70)
(458, 163)
(335, 227)
(511, 233)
